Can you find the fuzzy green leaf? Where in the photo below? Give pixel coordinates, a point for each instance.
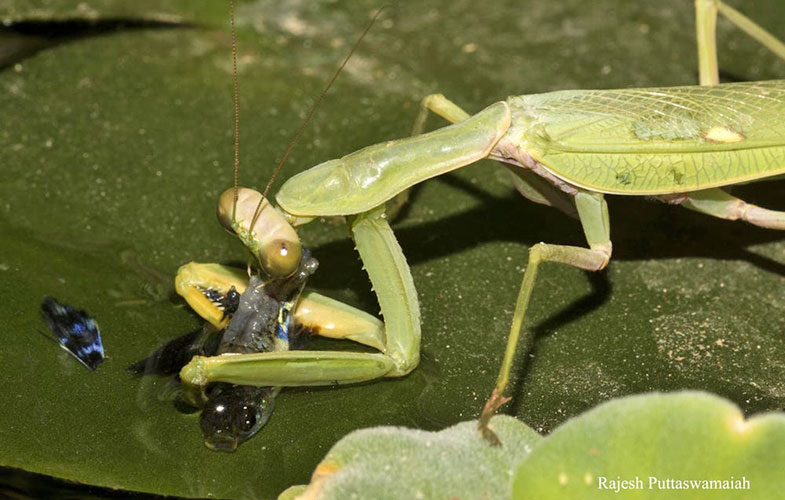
(388, 463)
(686, 445)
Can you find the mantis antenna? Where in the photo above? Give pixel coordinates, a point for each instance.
(302, 125)
(236, 96)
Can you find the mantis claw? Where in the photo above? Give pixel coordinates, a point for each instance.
(496, 401)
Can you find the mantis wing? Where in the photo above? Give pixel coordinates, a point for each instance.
(656, 140)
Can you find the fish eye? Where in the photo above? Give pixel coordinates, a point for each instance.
(248, 421)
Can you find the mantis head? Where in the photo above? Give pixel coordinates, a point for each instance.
(262, 229)
(247, 213)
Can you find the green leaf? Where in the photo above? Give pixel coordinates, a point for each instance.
(115, 148)
(98, 10)
(388, 463)
(687, 445)
(655, 443)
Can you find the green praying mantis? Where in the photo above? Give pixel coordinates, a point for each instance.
(567, 149)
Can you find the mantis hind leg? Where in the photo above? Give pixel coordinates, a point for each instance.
(593, 214)
(718, 203)
(705, 26)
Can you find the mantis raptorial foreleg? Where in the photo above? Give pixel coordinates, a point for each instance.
(394, 287)
(204, 285)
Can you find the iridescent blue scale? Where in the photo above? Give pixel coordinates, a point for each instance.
(75, 331)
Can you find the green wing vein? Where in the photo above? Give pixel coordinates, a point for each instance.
(657, 140)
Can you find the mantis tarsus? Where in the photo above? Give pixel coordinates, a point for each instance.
(567, 149)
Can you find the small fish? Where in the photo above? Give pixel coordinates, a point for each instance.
(75, 331)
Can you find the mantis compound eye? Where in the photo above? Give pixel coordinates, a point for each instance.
(226, 209)
(281, 258)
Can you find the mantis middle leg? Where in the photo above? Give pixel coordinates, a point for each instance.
(705, 26)
(437, 103)
(593, 214)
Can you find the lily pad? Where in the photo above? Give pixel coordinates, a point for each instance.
(116, 146)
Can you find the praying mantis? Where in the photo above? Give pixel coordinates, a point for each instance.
(566, 149)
